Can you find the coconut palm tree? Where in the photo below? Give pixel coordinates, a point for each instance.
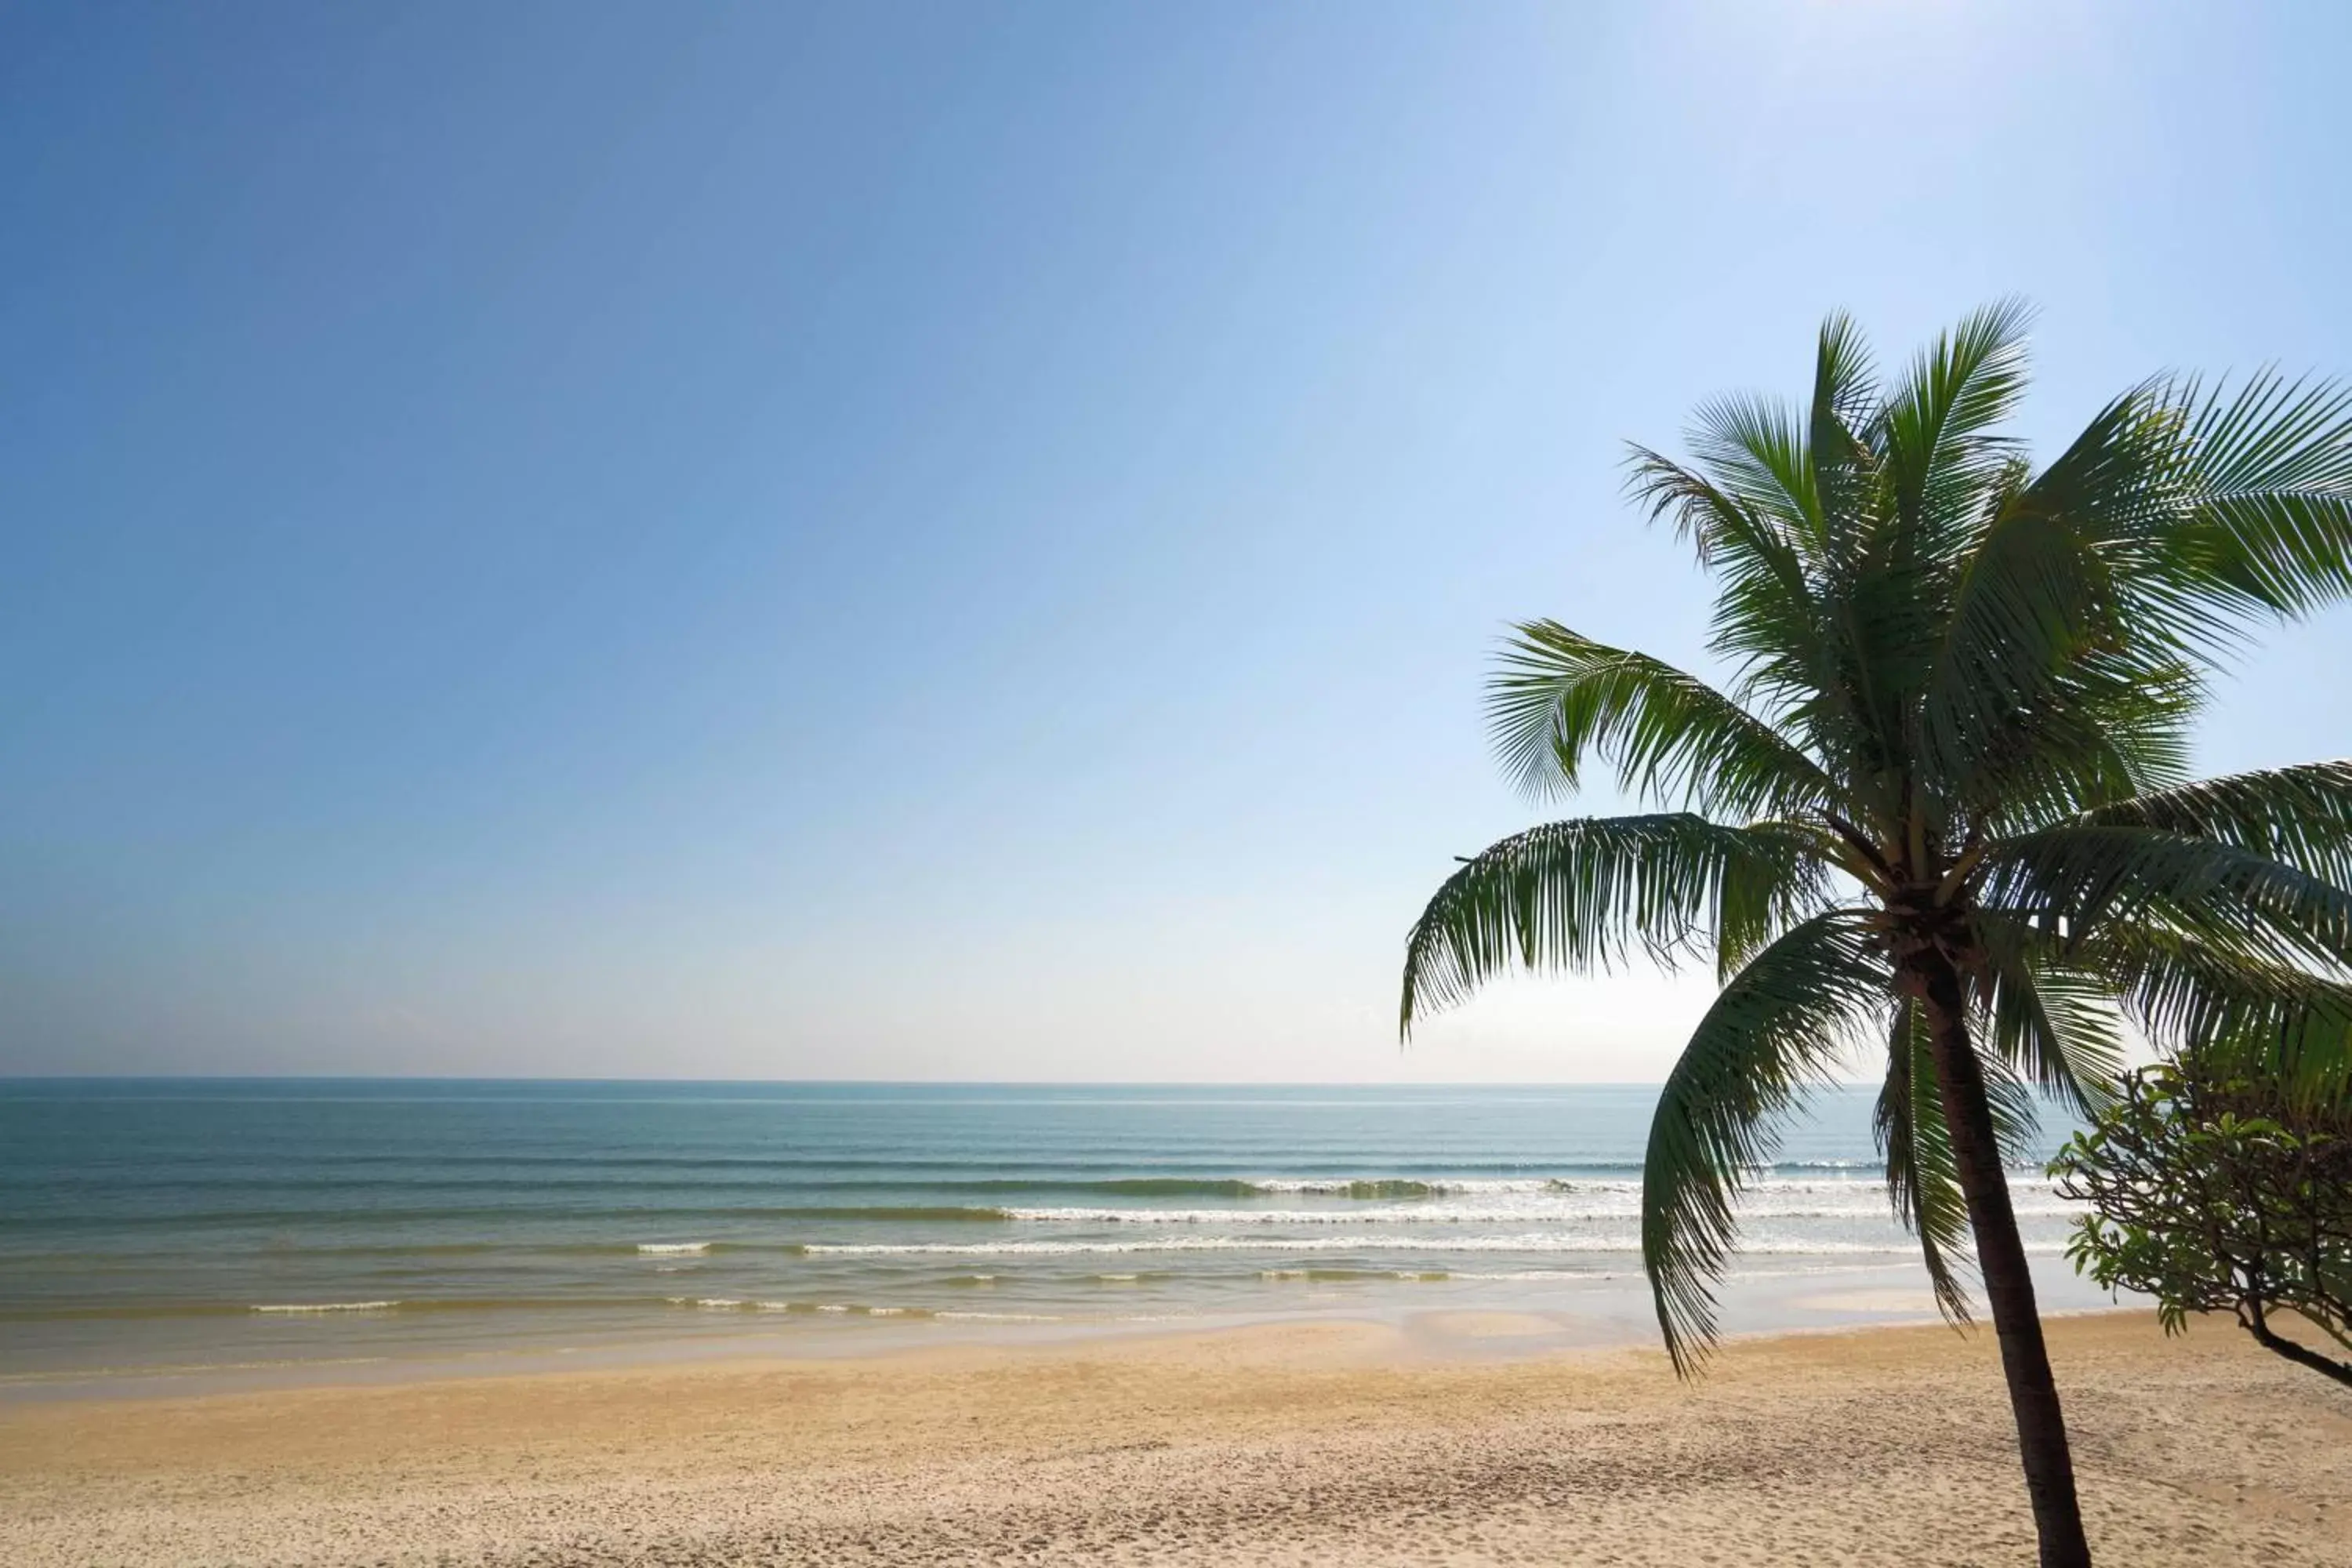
(1941, 809)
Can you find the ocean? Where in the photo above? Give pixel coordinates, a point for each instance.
(174, 1229)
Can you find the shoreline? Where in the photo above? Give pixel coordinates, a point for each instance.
(323, 1348)
(1463, 1438)
(1542, 1333)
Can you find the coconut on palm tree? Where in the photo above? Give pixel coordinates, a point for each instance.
(1941, 810)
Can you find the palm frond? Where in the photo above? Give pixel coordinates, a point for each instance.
(2056, 1026)
(2193, 998)
(2016, 1119)
(1580, 895)
(1938, 449)
(1843, 414)
(2269, 528)
(2112, 729)
(1763, 895)
(2032, 597)
(1726, 532)
(1776, 1029)
(1756, 449)
(2299, 816)
(2079, 878)
(2036, 669)
(1921, 1177)
(1766, 617)
(1672, 737)
(1770, 622)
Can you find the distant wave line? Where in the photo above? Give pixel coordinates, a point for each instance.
(1875, 1210)
(402, 1306)
(1628, 1242)
(1208, 1178)
(327, 1307)
(530, 1212)
(1359, 1189)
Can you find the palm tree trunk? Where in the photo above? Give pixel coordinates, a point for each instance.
(2001, 1256)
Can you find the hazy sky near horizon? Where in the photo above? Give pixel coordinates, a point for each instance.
(960, 541)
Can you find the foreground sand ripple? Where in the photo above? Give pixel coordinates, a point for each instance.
(1325, 1444)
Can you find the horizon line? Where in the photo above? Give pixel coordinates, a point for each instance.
(837, 1082)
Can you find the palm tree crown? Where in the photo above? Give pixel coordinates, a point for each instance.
(1943, 807)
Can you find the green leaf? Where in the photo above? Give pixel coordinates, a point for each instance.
(1937, 447)
(2220, 1003)
(1766, 620)
(2299, 816)
(1671, 737)
(2082, 877)
(1921, 1177)
(1777, 1028)
(2268, 528)
(1755, 448)
(2036, 681)
(1578, 895)
(2058, 1026)
(1843, 418)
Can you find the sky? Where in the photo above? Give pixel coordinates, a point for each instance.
(961, 542)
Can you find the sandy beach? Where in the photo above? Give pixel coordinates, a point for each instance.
(1454, 1438)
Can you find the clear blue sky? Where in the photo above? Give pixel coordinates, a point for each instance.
(960, 541)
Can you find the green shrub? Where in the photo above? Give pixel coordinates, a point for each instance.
(2215, 1193)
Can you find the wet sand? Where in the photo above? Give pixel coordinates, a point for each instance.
(1453, 1439)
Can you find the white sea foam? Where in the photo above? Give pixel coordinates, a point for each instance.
(672, 1248)
(1554, 1242)
(738, 1304)
(327, 1307)
(1546, 1241)
(1864, 1173)
(1343, 1186)
(1546, 1202)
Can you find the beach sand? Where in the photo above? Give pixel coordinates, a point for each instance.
(1434, 1442)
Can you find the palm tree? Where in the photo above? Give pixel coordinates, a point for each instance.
(1942, 809)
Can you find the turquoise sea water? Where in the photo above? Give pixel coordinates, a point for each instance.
(183, 1226)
